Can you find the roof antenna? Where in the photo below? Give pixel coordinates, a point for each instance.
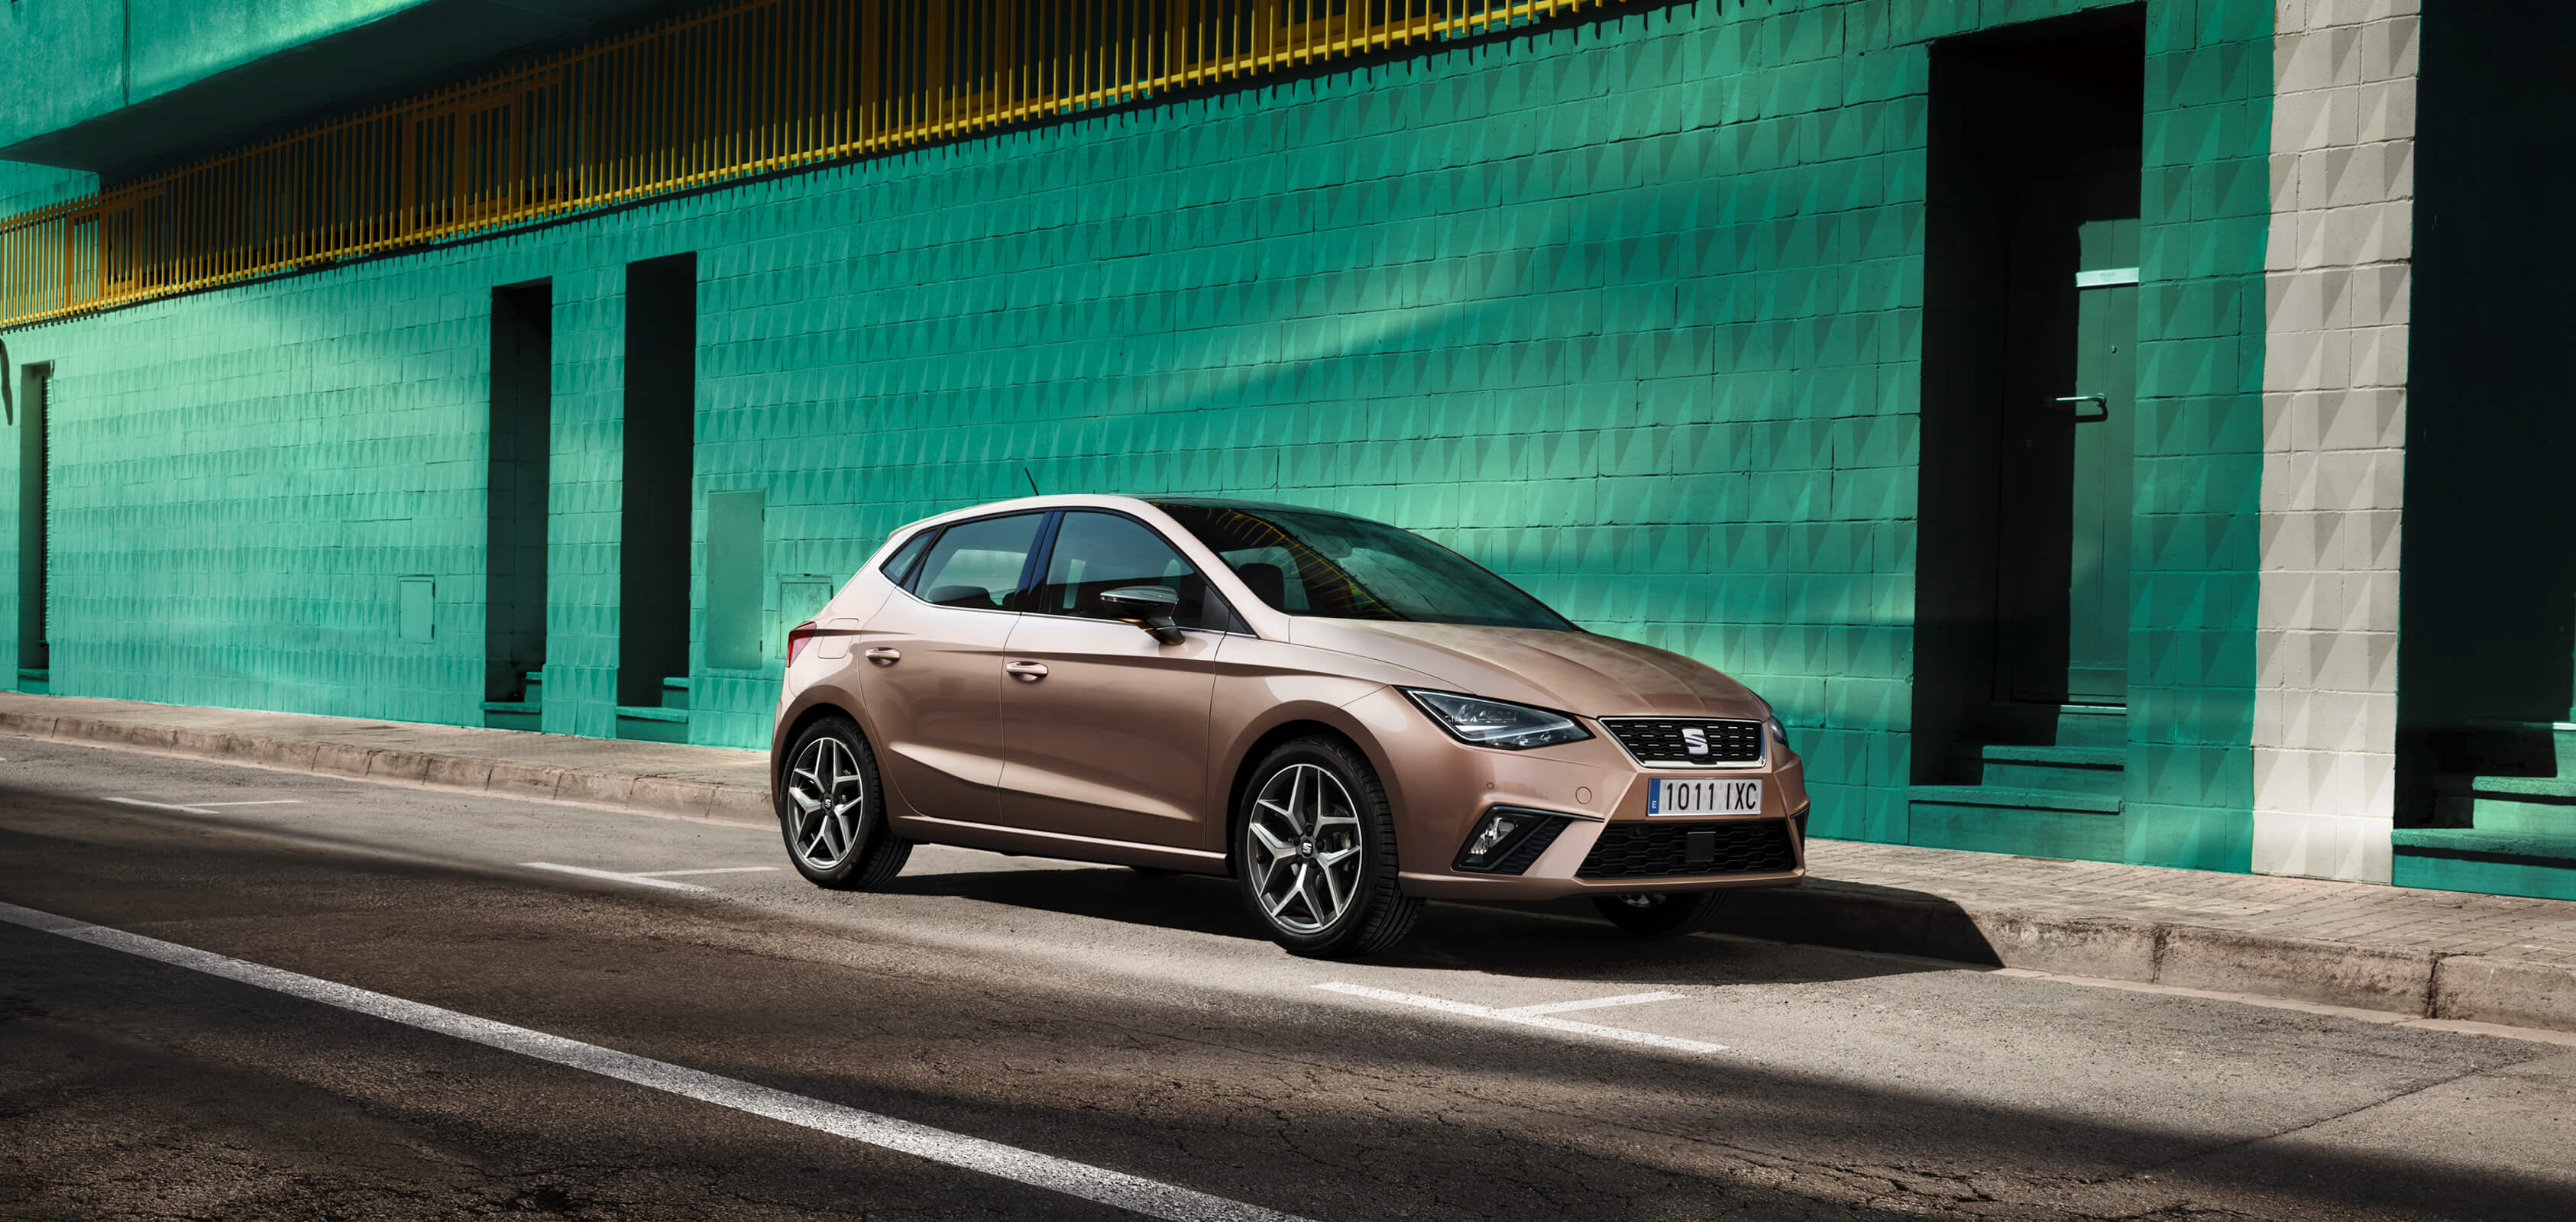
(1033, 483)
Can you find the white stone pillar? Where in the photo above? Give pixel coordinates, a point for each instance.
(2334, 448)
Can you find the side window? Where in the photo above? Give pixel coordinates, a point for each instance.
(1273, 574)
(1102, 551)
(898, 567)
(977, 564)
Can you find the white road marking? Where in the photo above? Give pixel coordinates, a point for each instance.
(271, 802)
(637, 879)
(717, 870)
(1525, 1018)
(1135, 1194)
(184, 810)
(1596, 1003)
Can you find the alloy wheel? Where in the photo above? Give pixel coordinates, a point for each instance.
(1304, 837)
(831, 800)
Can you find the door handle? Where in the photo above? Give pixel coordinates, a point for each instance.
(883, 656)
(1026, 672)
(2075, 404)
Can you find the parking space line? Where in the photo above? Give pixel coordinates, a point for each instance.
(270, 802)
(1135, 1194)
(1524, 1018)
(182, 810)
(1596, 1003)
(717, 870)
(612, 876)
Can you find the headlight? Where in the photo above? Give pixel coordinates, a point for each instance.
(1493, 723)
(1779, 733)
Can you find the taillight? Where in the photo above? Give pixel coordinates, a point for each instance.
(799, 637)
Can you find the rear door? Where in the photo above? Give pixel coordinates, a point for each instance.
(1105, 728)
(932, 674)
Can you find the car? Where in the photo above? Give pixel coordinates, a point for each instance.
(1342, 716)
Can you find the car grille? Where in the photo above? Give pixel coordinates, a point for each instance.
(1672, 850)
(1659, 741)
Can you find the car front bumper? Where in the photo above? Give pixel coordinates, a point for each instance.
(1442, 789)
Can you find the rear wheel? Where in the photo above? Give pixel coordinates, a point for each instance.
(1315, 852)
(1661, 914)
(830, 812)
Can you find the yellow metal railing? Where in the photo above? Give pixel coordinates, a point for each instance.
(743, 88)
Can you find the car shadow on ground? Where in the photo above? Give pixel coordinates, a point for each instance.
(1559, 940)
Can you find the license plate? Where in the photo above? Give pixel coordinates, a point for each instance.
(1697, 796)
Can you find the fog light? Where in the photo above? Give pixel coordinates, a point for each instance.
(1506, 841)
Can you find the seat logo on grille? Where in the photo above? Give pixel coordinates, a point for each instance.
(1694, 740)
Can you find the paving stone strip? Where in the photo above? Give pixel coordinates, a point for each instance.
(2429, 954)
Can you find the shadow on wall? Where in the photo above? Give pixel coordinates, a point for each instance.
(2488, 583)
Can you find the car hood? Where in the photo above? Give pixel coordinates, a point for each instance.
(1577, 672)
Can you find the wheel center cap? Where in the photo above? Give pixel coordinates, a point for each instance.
(1305, 848)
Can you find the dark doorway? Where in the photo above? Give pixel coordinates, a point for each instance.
(35, 536)
(2029, 368)
(522, 445)
(661, 436)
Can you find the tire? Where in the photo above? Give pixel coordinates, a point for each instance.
(1662, 914)
(1313, 805)
(854, 851)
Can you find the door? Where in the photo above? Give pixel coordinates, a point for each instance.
(2104, 399)
(932, 678)
(1105, 728)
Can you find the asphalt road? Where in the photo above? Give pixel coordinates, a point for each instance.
(1049, 1023)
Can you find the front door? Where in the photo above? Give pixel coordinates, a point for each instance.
(933, 674)
(2104, 399)
(1105, 727)
(2070, 427)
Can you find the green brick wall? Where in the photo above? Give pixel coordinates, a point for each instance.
(1628, 310)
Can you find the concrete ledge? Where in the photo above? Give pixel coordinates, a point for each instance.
(1850, 916)
(598, 786)
(2513, 992)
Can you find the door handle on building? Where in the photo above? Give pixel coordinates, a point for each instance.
(2075, 404)
(1026, 672)
(883, 656)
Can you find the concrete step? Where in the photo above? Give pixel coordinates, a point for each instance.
(2092, 725)
(2518, 748)
(2088, 770)
(2517, 805)
(2539, 864)
(643, 723)
(536, 680)
(513, 715)
(2023, 822)
(675, 693)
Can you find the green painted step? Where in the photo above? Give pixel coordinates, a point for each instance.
(35, 682)
(2000, 798)
(2086, 770)
(2521, 748)
(2031, 823)
(512, 715)
(643, 723)
(675, 693)
(2495, 863)
(2542, 805)
(2092, 725)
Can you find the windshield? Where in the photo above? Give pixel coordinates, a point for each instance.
(1325, 564)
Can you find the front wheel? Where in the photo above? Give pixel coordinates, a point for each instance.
(831, 812)
(1661, 914)
(1315, 852)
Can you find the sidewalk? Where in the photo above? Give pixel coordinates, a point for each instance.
(2428, 954)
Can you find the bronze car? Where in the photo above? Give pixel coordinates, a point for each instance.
(1345, 717)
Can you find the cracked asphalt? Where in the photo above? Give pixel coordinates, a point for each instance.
(1119, 1020)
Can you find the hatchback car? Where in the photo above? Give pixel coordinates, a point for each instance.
(1344, 717)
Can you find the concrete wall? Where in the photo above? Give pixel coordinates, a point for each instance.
(2334, 407)
(1628, 310)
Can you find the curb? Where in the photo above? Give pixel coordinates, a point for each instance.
(2418, 983)
(659, 794)
(1824, 912)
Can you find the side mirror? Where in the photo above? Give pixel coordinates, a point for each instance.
(1149, 607)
